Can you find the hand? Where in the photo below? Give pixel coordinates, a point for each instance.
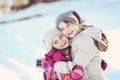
(103, 64)
(76, 73)
(38, 63)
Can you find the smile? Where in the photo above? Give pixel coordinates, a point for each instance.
(70, 33)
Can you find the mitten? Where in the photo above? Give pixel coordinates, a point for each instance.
(76, 73)
(103, 64)
(38, 62)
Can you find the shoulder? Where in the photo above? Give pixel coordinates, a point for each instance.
(83, 41)
(93, 32)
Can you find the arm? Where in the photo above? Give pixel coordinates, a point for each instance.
(54, 56)
(58, 56)
(85, 52)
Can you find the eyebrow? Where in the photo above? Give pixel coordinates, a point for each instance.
(55, 41)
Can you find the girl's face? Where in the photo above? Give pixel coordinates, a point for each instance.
(60, 41)
(68, 29)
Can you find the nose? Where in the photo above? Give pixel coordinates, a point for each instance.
(61, 40)
(62, 43)
(68, 32)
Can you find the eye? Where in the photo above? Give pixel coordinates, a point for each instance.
(61, 29)
(68, 25)
(55, 42)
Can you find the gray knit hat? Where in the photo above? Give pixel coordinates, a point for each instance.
(71, 16)
(49, 35)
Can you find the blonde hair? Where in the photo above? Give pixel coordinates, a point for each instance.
(99, 45)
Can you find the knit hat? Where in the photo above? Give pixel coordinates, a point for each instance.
(71, 16)
(49, 35)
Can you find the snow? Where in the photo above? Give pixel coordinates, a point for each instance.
(21, 33)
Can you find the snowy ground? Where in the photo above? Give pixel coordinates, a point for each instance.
(20, 40)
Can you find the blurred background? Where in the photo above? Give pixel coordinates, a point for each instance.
(23, 22)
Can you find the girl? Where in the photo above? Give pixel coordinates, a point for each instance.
(86, 44)
(60, 51)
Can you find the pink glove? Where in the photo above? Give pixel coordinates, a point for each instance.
(76, 73)
(103, 64)
(74, 76)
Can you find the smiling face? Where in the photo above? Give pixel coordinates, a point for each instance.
(60, 42)
(68, 29)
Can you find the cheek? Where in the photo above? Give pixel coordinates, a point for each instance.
(57, 46)
(64, 32)
(76, 30)
(67, 43)
(54, 45)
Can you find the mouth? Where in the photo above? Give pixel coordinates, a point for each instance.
(70, 33)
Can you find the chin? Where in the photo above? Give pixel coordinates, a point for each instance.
(72, 36)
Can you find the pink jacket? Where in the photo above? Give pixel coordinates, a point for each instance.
(53, 56)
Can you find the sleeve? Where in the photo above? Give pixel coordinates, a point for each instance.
(59, 57)
(50, 60)
(86, 50)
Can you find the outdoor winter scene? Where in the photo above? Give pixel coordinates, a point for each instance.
(23, 23)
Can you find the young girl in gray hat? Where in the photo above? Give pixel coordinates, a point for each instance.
(86, 44)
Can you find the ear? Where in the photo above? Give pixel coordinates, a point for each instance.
(77, 16)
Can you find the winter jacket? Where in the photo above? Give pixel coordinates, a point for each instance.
(53, 56)
(85, 53)
(47, 64)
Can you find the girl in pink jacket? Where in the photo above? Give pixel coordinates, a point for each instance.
(60, 51)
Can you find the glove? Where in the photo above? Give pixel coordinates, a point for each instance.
(76, 73)
(74, 76)
(38, 63)
(103, 64)
(41, 63)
